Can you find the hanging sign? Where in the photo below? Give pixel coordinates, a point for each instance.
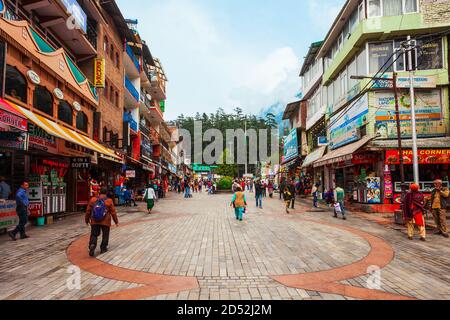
(80, 163)
(99, 73)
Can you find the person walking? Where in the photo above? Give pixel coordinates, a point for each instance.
(439, 201)
(339, 206)
(271, 188)
(315, 194)
(149, 198)
(282, 187)
(288, 194)
(239, 202)
(293, 190)
(259, 194)
(99, 215)
(413, 211)
(5, 189)
(22, 204)
(187, 190)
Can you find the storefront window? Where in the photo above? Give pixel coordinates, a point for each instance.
(16, 84)
(392, 7)
(429, 54)
(381, 57)
(43, 100)
(82, 122)
(65, 112)
(374, 8)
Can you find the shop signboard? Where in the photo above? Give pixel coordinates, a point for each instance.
(78, 16)
(373, 190)
(130, 173)
(172, 168)
(8, 215)
(290, 146)
(69, 149)
(80, 163)
(429, 116)
(405, 83)
(99, 73)
(12, 120)
(40, 140)
(146, 147)
(364, 158)
(36, 209)
(345, 124)
(426, 156)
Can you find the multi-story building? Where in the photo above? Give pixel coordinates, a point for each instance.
(367, 37)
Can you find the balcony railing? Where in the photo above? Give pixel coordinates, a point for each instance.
(130, 87)
(133, 58)
(133, 124)
(91, 33)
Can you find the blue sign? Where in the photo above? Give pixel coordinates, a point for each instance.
(172, 168)
(79, 16)
(291, 146)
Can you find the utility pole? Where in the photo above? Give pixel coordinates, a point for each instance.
(399, 136)
(413, 114)
(246, 149)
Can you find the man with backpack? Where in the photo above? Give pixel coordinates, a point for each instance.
(99, 214)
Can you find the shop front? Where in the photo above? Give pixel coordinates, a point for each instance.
(310, 175)
(433, 164)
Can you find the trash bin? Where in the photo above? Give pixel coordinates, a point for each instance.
(40, 222)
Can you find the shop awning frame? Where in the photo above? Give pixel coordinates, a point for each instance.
(313, 157)
(61, 132)
(342, 154)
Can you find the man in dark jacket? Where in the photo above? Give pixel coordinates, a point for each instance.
(259, 194)
(282, 186)
(22, 203)
(103, 226)
(289, 195)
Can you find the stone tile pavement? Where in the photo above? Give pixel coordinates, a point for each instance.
(199, 239)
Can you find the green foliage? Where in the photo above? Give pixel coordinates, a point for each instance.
(225, 183)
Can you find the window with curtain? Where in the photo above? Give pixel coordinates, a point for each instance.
(43, 100)
(82, 122)
(392, 7)
(410, 6)
(374, 8)
(16, 84)
(65, 113)
(381, 56)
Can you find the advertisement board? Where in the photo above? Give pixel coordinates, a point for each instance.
(40, 140)
(8, 215)
(290, 146)
(426, 156)
(99, 73)
(373, 190)
(344, 125)
(429, 115)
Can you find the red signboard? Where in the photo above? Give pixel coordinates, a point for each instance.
(426, 156)
(364, 158)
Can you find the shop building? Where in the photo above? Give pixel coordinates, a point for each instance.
(361, 129)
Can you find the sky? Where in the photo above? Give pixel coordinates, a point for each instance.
(230, 53)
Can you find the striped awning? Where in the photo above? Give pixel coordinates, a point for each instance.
(61, 132)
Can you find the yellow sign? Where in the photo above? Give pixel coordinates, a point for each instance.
(99, 73)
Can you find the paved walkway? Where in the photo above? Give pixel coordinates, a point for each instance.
(195, 249)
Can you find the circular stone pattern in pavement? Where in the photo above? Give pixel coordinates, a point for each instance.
(212, 243)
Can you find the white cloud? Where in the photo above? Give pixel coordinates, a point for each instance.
(323, 15)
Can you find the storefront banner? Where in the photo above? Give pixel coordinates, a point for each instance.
(36, 209)
(373, 190)
(8, 215)
(290, 146)
(13, 120)
(426, 156)
(345, 124)
(388, 185)
(69, 149)
(429, 82)
(429, 115)
(364, 158)
(41, 140)
(13, 140)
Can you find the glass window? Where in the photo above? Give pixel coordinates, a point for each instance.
(361, 13)
(82, 122)
(381, 57)
(352, 71)
(330, 96)
(16, 84)
(392, 7)
(361, 63)
(65, 112)
(410, 6)
(353, 20)
(43, 100)
(374, 8)
(429, 54)
(105, 44)
(399, 56)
